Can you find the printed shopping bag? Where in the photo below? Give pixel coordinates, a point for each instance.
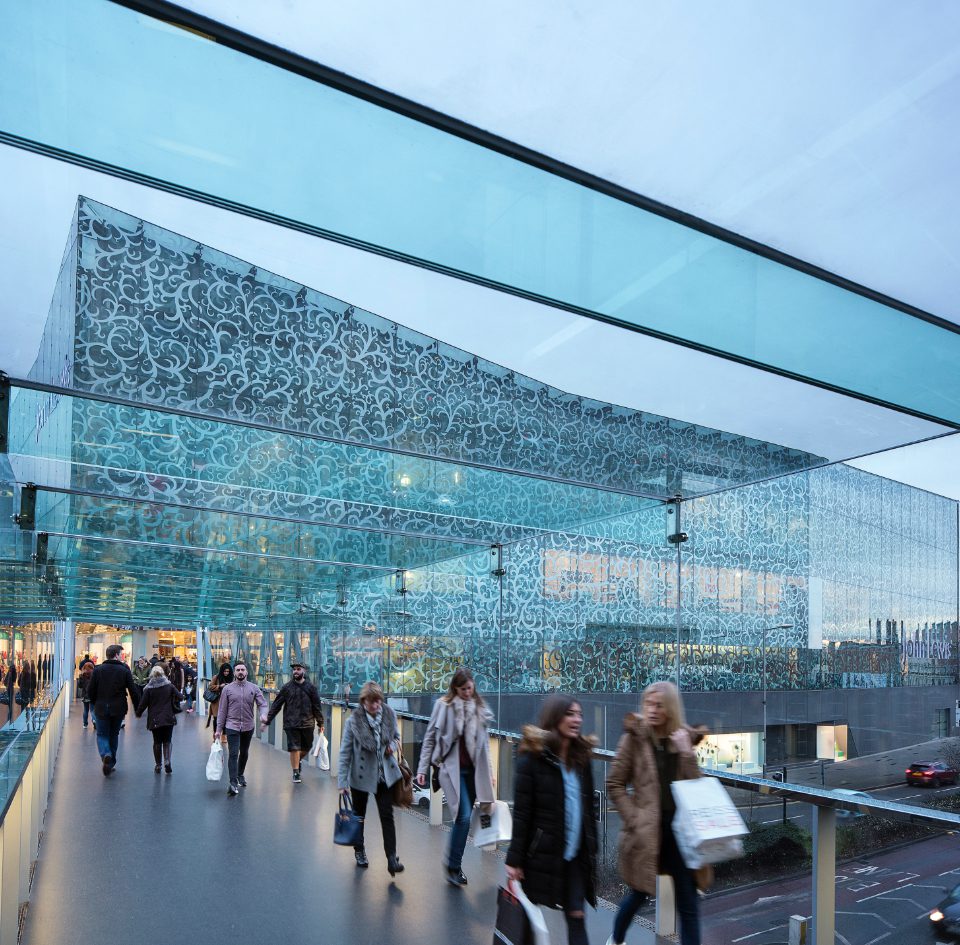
(215, 762)
(513, 926)
(707, 825)
(490, 827)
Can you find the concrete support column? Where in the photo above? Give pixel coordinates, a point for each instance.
(824, 874)
(666, 915)
(494, 742)
(338, 718)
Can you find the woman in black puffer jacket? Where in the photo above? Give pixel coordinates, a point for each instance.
(161, 701)
(553, 851)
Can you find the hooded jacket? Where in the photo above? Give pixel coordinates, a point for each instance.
(161, 700)
(635, 768)
(539, 826)
(357, 765)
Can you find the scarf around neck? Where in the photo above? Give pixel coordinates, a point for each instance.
(466, 720)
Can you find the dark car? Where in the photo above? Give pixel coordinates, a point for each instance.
(933, 773)
(945, 918)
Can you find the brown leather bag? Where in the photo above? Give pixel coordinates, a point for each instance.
(403, 788)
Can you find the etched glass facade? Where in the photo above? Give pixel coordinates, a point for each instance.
(217, 448)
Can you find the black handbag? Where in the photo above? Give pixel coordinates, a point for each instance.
(4, 697)
(435, 777)
(211, 695)
(346, 824)
(513, 927)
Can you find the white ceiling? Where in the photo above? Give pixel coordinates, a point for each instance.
(827, 130)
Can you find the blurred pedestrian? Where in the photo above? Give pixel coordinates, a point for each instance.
(223, 678)
(553, 850)
(161, 701)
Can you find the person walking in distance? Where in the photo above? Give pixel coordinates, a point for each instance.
(656, 748)
(9, 681)
(301, 706)
(223, 678)
(458, 744)
(109, 685)
(553, 850)
(368, 765)
(236, 716)
(161, 701)
(83, 684)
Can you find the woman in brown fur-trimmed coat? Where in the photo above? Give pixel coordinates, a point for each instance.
(655, 749)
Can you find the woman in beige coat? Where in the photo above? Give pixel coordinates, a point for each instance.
(656, 748)
(457, 742)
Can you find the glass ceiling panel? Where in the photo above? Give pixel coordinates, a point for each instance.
(405, 188)
(147, 454)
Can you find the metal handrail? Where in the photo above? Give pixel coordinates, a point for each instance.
(819, 797)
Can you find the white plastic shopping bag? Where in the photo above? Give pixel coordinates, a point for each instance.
(321, 754)
(707, 825)
(489, 828)
(215, 762)
(534, 913)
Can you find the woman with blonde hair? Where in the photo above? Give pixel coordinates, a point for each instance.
(457, 742)
(161, 701)
(368, 765)
(656, 748)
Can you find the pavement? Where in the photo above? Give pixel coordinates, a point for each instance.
(147, 858)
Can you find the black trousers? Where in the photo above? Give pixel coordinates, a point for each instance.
(238, 744)
(384, 799)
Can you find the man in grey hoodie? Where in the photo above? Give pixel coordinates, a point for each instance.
(235, 718)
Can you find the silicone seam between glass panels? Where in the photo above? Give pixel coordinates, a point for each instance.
(379, 178)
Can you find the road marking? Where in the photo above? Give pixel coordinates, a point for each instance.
(777, 820)
(879, 918)
(879, 938)
(743, 938)
(909, 876)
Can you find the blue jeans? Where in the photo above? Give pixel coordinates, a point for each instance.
(461, 826)
(108, 734)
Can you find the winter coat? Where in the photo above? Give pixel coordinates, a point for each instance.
(83, 685)
(357, 766)
(141, 674)
(28, 683)
(108, 688)
(160, 699)
(300, 703)
(235, 706)
(634, 787)
(440, 747)
(539, 828)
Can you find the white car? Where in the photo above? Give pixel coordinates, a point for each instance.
(421, 796)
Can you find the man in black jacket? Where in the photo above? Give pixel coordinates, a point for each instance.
(300, 702)
(107, 691)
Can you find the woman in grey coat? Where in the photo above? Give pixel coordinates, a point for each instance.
(457, 741)
(368, 765)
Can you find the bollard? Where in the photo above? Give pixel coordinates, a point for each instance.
(666, 915)
(798, 930)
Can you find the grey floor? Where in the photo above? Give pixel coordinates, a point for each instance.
(147, 858)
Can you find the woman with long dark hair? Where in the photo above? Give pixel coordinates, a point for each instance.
(457, 742)
(656, 748)
(553, 851)
(223, 678)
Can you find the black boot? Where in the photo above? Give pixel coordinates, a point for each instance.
(361, 856)
(156, 758)
(394, 865)
(167, 752)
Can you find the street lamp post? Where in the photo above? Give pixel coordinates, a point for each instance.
(779, 626)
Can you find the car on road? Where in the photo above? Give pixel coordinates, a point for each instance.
(421, 796)
(945, 917)
(849, 795)
(931, 774)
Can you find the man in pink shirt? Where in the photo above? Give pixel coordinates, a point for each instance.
(236, 716)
